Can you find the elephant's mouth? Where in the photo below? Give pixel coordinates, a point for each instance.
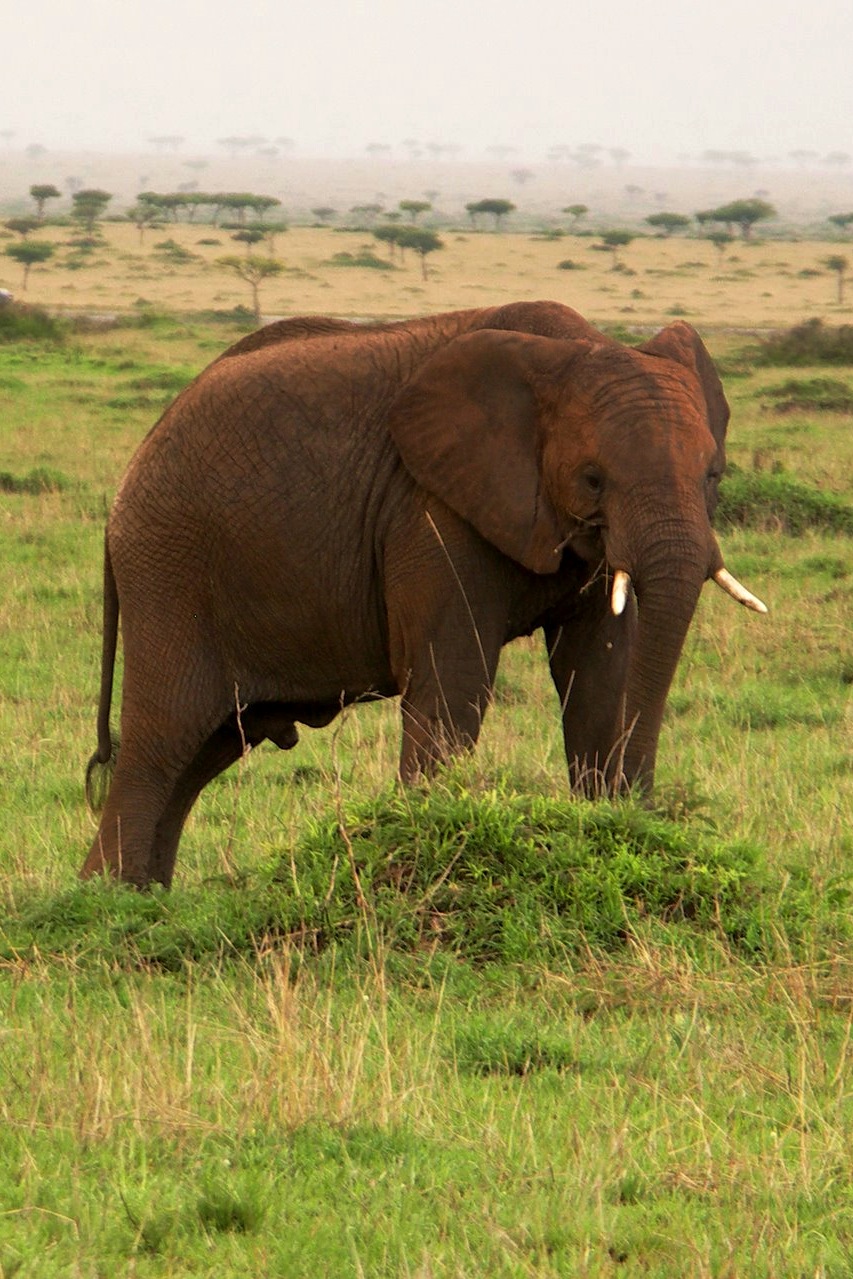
(587, 538)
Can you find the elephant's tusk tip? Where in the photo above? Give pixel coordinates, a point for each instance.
(727, 582)
(619, 594)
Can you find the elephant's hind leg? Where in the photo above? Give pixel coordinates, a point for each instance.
(137, 799)
(222, 749)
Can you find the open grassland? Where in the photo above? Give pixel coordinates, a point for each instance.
(476, 1031)
(754, 284)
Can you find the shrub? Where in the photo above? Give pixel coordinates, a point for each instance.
(761, 499)
(825, 394)
(29, 324)
(811, 342)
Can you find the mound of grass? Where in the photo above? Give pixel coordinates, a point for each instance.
(40, 480)
(811, 342)
(824, 394)
(365, 259)
(19, 323)
(492, 877)
(767, 499)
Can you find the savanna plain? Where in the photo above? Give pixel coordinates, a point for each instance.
(480, 1028)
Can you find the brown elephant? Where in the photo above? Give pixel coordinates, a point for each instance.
(334, 511)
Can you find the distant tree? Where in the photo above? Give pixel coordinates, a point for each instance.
(720, 240)
(88, 206)
(421, 241)
(366, 211)
(389, 233)
(248, 236)
(841, 220)
(254, 270)
(41, 192)
(167, 141)
(521, 176)
(497, 208)
(615, 240)
(837, 159)
(744, 214)
(28, 253)
(21, 226)
(802, 157)
(324, 213)
(142, 215)
(576, 212)
(839, 264)
(668, 222)
(415, 208)
(619, 156)
(238, 143)
(35, 151)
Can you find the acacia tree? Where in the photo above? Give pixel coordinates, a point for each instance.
(28, 253)
(254, 270)
(88, 206)
(720, 240)
(576, 212)
(615, 240)
(415, 207)
(744, 214)
(21, 226)
(841, 220)
(668, 222)
(839, 264)
(497, 208)
(421, 242)
(143, 215)
(41, 192)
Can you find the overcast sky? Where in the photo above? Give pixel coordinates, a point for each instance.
(662, 78)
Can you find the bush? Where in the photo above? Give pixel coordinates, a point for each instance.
(365, 258)
(761, 499)
(824, 394)
(19, 323)
(811, 342)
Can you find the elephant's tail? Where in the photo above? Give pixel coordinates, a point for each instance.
(100, 767)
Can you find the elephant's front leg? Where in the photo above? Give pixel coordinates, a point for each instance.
(589, 654)
(445, 698)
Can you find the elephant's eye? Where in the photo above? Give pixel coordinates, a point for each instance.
(593, 479)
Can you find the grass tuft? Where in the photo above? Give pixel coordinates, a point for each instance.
(771, 500)
(824, 394)
(39, 480)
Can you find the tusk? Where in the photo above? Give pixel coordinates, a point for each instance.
(732, 587)
(619, 594)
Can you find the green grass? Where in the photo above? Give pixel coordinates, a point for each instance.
(478, 1029)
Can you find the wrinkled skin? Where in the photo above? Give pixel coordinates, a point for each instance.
(335, 511)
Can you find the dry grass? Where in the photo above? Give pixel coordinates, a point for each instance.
(756, 286)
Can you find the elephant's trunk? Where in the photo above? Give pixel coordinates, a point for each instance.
(667, 574)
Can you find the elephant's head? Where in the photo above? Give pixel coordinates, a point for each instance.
(614, 452)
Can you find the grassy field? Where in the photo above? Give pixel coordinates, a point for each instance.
(476, 1031)
(760, 284)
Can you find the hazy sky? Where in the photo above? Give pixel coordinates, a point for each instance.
(660, 77)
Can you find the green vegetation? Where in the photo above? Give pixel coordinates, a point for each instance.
(471, 1029)
(254, 270)
(811, 342)
(498, 209)
(29, 253)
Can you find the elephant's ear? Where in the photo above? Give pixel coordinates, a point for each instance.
(468, 430)
(681, 342)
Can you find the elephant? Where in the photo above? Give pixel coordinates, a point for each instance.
(334, 511)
